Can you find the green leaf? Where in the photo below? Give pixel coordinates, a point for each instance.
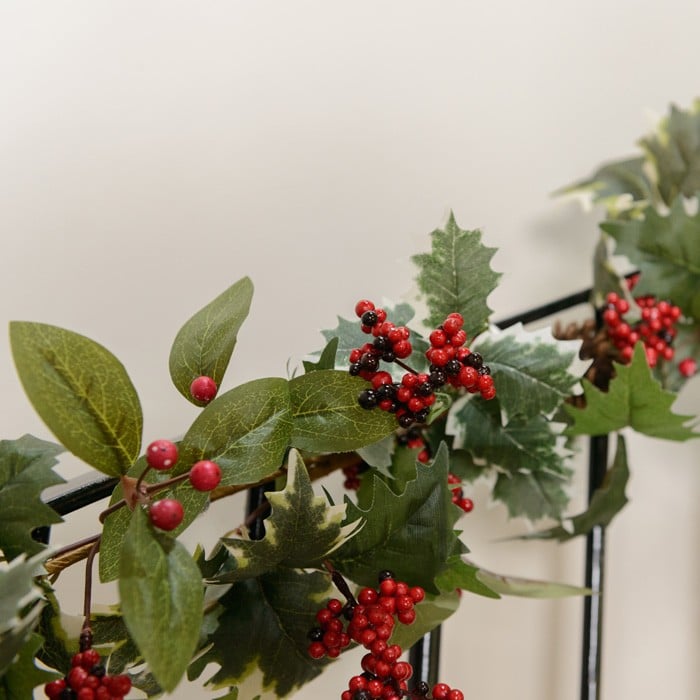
(379, 454)
(82, 393)
(667, 251)
(25, 471)
(326, 359)
(411, 534)
(246, 431)
(301, 531)
(607, 501)
(463, 576)
(432, 611)
(203, 346)
(272, 614)
(533, 495)
(674, 151)
(327, 417)
(20, 605)
(350, 336)
(161, 595)
(23, 676)
(530, 369)
(634, 399)
(620, 186)
(528, 588)
(456, 276)
(525, 453)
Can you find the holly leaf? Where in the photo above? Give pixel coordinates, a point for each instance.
(674, 152)
(205, 343)
(161, 595)
(528, 588)
(666, 249)
(26, 469)
(620, 186)
(326, 359)
(327, 417)
(273, 614)
(379, 454)
(432, 611)
(20, 606)
(246, 431)
(525, 452)
(23, 676)
(411, 534)
(456, 276)
(530, 369)
(634, 399)
(350, 336)
(82, 393)
(606, 502)
(300, 532)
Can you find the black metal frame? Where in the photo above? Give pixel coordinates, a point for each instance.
(425, 654)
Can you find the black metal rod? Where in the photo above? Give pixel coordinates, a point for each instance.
(595, 569)
(424, 656)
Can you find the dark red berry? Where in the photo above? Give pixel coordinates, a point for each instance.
(205, 475)
(203, 389)
(166, 514)
(362, 306)
(161, 454)
(55, 688)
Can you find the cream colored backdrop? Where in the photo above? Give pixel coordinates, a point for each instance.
(153, 152)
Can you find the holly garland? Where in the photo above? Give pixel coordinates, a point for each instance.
(412, 415)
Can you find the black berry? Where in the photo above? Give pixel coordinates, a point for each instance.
(367, 399)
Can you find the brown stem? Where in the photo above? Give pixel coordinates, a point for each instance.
(340, 583)
(87, 598)
(403, 365)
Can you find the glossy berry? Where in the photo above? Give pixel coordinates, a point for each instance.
(203, 389)
(205, 475)
(161, 454)
(55, 688)
(688, 367)
(166, 514)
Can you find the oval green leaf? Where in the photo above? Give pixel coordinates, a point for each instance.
(82, 393)
(246, 431)
(203, 346)
(161, 594)
(327, 417)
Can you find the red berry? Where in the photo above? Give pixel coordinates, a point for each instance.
(76, 677)
(459, 338)
(205, 475)
(441, 691)
(161, 454)
(316, 650)
(688, 367)
(438, 338)
(455, 694)
(166, 514)
(55, 688)
(90, 657)
(417, 594)
(119, 685)
(86, 694)
(466, 504)
(362, 306)
(453, 323)
(407, 617)
(203, 389)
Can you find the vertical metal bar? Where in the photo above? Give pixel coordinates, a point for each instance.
(595, 566)
(424, 656)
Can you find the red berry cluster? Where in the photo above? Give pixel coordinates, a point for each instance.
(88, 680)
(411, 398)
(656, 327)
(466, 504)
(205, 475)
(452, 363)
(370, 619)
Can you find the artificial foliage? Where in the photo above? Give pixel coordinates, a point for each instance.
(412, 412)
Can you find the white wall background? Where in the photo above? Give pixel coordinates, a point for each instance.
(151, 153)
